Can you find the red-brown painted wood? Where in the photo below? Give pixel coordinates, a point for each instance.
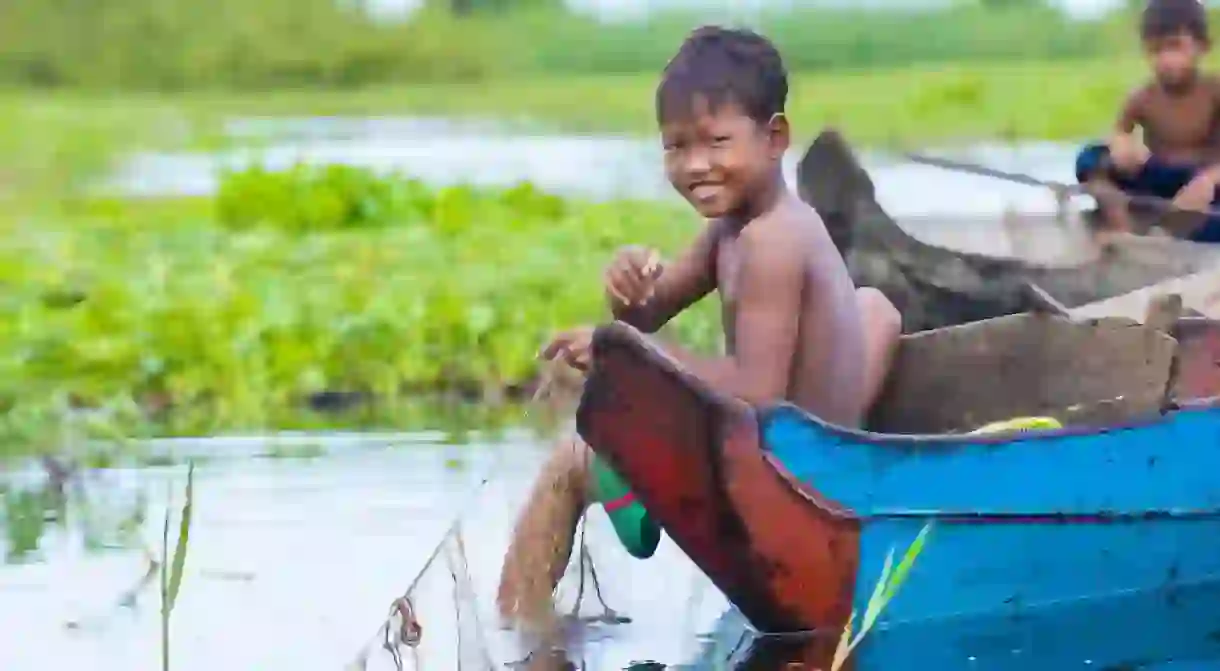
(783, 555)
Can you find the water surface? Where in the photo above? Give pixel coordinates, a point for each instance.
(598, 166)
(294, 563)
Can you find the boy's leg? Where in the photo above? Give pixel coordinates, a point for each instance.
(882, 327)
(542, 538)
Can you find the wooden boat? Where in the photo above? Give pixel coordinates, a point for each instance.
(1097, 543)
(935, 286)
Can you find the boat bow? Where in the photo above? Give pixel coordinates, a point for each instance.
(694, 460)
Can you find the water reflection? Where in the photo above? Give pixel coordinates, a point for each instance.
(27, 513)
(52, 498)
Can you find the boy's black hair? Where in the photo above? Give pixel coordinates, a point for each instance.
(1163, 18)
(724, 65)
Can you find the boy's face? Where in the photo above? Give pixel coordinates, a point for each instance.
(718, 158)
(1174, 58)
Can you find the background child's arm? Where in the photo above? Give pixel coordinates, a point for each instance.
(1130, 114)
(1126, 151)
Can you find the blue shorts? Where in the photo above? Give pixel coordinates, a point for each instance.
(1156, 178)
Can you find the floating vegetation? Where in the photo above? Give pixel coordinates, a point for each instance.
(318, 288)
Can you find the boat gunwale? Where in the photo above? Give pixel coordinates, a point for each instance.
(623, 333)
(864, 436)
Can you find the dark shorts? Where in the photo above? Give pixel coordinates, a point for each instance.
(1156, 178)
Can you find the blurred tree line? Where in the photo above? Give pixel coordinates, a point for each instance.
(470, 7)
(180, 44)
(176, 45)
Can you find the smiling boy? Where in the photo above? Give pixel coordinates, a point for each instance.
(796, 328)
(1178, 111)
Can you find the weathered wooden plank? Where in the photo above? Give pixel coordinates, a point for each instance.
(1200, 293)
(961, 377)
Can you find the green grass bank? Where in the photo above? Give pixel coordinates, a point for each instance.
(909, 105)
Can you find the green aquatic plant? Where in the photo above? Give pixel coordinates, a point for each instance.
(171, 568)
(887, 587)
(185, 321)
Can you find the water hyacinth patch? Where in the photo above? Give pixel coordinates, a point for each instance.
(172, 317)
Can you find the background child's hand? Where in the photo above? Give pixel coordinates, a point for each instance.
(632, 274)
(1128, 153)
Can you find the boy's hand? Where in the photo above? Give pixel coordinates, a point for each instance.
(1128, 153)
(572, 346)
(632, 274)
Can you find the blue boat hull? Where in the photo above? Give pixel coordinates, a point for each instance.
(1111, 535)
(1094, 546)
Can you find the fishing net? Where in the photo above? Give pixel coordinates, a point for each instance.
(443, 622)
(447, 618)
(435, 623)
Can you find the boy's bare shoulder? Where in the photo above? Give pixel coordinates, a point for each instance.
(784, 232)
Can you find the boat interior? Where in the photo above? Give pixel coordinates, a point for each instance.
(1083, 373)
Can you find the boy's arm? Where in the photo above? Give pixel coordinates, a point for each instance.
(1127, 154)
(1130, 113)
(769, 295)
(681, 283)
(1213, 153)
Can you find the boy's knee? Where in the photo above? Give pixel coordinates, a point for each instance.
(880, 314)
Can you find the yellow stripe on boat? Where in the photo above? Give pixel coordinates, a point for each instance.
(1020, 424)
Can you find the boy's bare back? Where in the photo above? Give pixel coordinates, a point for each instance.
(789, 307)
